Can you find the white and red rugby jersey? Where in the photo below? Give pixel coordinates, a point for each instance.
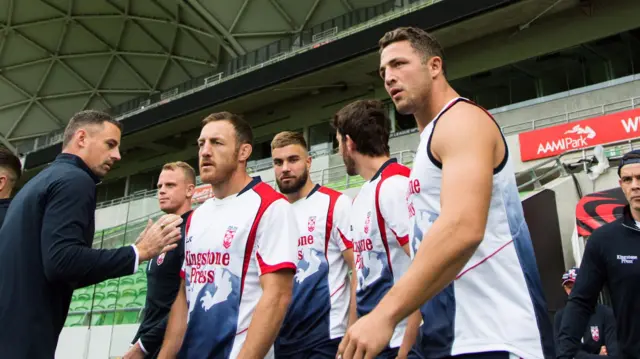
(229, 244)
(321, 290)
(380, 227)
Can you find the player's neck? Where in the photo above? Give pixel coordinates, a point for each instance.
(234, 184)
(440, 95)
(302, 193)
(368, 166)
(186, 206)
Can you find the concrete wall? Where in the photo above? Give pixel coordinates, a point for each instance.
(101, 342)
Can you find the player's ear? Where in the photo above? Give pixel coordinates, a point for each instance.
(350, 145)
(190, 189)
(81, 136)
(435, 65)
(245, 152)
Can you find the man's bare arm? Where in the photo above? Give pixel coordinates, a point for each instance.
(269, 314)
(353, 314)
(467, 153)
(411, 332)
(176, 327)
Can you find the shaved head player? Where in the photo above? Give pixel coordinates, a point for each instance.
(474, 274)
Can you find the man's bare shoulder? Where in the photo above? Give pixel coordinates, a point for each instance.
(465, 126)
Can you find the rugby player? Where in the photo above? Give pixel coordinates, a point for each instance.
(176, 185)
(240, 255)
(474, 275)
(323, 300)
(379, 215)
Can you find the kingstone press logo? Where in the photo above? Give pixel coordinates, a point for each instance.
(577, 138)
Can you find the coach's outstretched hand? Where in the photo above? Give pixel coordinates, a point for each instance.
(366, 338)
(158, 237)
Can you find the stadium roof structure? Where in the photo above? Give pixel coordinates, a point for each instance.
(61, 56)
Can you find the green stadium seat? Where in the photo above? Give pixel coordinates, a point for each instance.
(74, 320)
(127, 297)
(130, 317)
(111, 300)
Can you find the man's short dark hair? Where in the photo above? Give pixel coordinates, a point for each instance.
(368, 125)
(84, 118)
(421, 41)
(244, 133)
(11, 163)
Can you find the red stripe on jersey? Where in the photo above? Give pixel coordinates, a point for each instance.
(347, 243)
(333, 198)
(484, 259)
(186, 233)
(267, 196)
(391, 170)
(267, 268)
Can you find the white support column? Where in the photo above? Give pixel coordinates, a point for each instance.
(392, 116)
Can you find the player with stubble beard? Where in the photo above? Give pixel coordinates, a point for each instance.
(473, 268)
(240, 255)
(323, 296)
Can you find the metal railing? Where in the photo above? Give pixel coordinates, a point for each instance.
(571, 116)
(613, 151)
(338, 174)
(295, 44)
(132, 197)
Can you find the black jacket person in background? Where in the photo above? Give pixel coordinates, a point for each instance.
(599, 337)
(10, 171)
(176, 185)
(45, 251)
(610, 258)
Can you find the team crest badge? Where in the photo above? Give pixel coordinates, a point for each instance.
(228, 236)
(160, 259)
(595, 333)
(367, 222)
(311, 225)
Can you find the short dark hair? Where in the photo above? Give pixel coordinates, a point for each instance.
(87, 117)
(10, 162)
(368, 125)
(287, 138)
(421, 41)
(244, 133)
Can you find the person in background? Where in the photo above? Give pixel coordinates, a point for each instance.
(10, 172)
(176, 184)
(610, 259)
(600, 335)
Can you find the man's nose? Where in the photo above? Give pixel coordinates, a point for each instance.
(116, 154)
(389, 79)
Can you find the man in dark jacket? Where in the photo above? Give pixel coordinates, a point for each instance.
(10, 171)
(610, 258)
(176, 185)
(45, 251)
(599, 337)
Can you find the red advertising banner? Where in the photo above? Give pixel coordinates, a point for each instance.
(552, 141)
(202, 193)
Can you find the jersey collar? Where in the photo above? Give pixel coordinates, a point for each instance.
(313, 190)
(382, 168)
(251, 184)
